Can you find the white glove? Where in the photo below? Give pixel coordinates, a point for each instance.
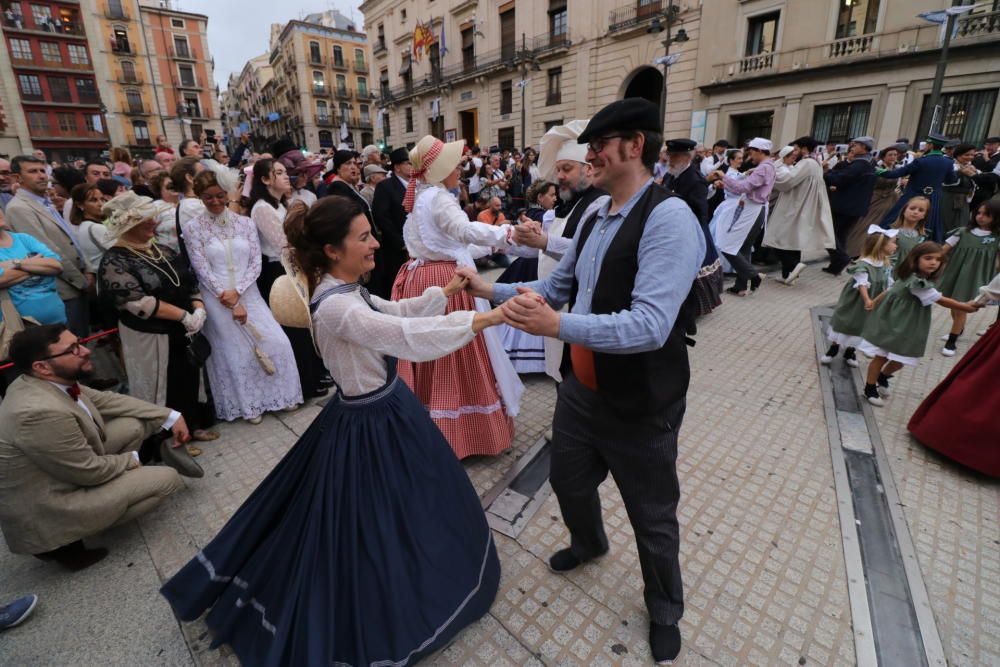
(193, 322)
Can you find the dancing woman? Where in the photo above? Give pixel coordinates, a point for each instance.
(366, 545)
(474, 394)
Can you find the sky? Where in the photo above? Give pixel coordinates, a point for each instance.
(238, 30)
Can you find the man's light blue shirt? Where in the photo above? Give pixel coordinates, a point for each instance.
(670, 254)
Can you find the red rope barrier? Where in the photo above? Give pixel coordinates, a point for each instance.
(99, 334)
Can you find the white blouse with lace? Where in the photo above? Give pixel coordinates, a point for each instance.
(353, 339)
(270, 224)
(438, 229)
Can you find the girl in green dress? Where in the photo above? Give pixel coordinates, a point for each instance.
(972, 262)
(870, 276)
(895, 333)
(910, 224)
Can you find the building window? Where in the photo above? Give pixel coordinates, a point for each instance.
(322, 111)
(840, 123)
(558, 19)
(134, 100)
(67, 122)
(505, 138)
(128, 71)
(325, 139)
(86, 91)
(386, 127)
(196, 129)
(338, 56)
(549, 124)
(43, 16)
(366, 118)
(38, 121)
(181, 49)
(319, 83)
(194, 108)
(31, 87)
(119, 41)
(964, 115)
(90, 123)
(342, 85)
(50, 52)
(409, 120)
(857, 17)
(115, 9)
(59, 89)
(359, 60)
(402, 15)
(380, 44)
(406, 71)
(78, 54)
(20, 49)
(362, 88)
(554, 95)
(508, 36)
(383, 83)
(752, 125)
(469, 49)
(140, 131)
(315, 55)
(176, 23)
(762, 34)
(187, 75)
(506, 97)
(345, 113)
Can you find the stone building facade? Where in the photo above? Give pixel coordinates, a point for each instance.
(836, 69)
(565, 60)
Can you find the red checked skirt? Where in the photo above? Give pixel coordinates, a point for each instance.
(459, 390)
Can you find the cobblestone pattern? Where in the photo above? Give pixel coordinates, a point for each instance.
(953, 513)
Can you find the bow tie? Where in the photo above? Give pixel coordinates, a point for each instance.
(74, 391)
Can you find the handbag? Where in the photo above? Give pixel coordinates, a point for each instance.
(198, 350)
(12, 322)
(250, 331)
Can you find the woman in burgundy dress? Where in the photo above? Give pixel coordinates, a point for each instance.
(959, 418)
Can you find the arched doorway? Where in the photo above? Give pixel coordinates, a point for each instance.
(645, 82)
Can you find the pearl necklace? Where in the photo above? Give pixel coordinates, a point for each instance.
(154, 257)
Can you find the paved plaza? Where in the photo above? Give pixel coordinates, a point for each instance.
(764, 570)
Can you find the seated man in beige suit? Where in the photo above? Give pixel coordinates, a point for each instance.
(69, 462)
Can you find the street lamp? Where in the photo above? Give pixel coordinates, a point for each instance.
(656, 27)
(950, 16)
(528, 63)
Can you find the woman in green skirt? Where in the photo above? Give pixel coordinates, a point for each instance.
(972, 262)
(870, 276)
(895, 333)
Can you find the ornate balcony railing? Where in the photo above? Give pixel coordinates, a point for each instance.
(631, 15)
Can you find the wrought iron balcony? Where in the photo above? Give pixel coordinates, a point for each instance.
(632, 15)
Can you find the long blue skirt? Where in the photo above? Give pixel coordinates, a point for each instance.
(365, 545)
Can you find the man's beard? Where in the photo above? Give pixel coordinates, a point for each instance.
(81, 374)
(569, 193)
(676, 171)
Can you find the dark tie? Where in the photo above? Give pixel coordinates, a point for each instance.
(74, 391)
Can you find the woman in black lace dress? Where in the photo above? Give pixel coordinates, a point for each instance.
(158, 304)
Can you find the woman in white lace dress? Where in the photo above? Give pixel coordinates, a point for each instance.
(251, 369)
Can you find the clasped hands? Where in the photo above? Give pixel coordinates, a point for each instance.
(529, 233)
(230, 298)
(528, 311)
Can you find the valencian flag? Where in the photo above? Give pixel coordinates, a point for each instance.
(423, 37)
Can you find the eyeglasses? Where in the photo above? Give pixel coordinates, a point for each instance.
(75, 349)
(597, 145)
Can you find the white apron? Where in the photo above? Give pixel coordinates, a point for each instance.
(732, 222)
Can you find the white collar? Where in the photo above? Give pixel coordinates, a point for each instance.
(872, 262)
(978, 231)
(63, 387)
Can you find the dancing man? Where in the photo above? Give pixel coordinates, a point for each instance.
(626, 278)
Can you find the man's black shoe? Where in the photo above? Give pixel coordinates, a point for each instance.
(833, 271)
(564, 560)
(74, 556)
(664, 643)
(179, 459)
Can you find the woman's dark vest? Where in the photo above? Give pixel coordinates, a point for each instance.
(645, 383)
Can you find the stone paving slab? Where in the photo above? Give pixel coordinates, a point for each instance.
(761, 555)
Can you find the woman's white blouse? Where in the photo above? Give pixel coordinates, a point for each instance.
(270, 224)
(353, 339)
(438, 228)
